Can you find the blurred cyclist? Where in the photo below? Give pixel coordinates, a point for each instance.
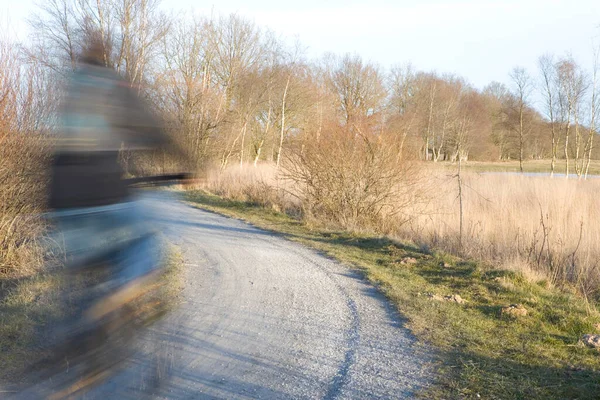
(97, 215)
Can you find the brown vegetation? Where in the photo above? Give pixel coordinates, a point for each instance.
(352, 179)
(350, 141)
(534, 351)
(233, 93)
(541, 227)
(343, 143)
(22, 157)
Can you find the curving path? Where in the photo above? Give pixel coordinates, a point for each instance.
(262, 317)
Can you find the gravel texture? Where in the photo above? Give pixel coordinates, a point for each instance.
(262, 317)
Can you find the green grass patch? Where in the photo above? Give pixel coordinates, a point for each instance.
(481, 353)
(29, 305)
(25, 307)
(172, 278)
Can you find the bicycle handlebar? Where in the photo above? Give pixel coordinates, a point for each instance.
(159, 179)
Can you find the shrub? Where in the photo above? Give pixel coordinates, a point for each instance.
(353, 179)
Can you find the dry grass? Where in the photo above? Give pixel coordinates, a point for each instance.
(22, 192)
(541, 226)
(482, 354)
(544, 228)
(353, 180)
(535, 166)
(25, 309)
(259, 185)
(23, 153)
(31, 306)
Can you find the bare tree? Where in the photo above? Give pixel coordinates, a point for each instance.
(546, 66)
(56, 38)
(571, 87)
(188, 97)
(523, 87)
(131, 32)
(141, 29)
(593, 111)
(450, 98)
(497, 96)
(430, 130)
(358, 87)
(291, 71)
(402, 109)
(237, 46)
(436, 101)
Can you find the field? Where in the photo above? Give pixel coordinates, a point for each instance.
(528, 240)
(535, 166)
(481, 352)
(323, 148)
(542, 227)
(537, 225)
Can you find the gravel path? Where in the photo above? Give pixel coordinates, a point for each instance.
(263, 317)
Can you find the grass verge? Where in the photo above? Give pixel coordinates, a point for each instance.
(482, 353)
(172, 278)
(29, 305)
(26, 306)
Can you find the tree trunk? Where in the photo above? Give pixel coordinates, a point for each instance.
(460, 203)
(287, 84)
(567, 129)
(521, 136)
(242, 144)
(553, 150)
(267, 126)
(593, 110)
(429, 119)
(258, 151)
(578, 139)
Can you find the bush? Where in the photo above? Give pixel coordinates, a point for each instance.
(22, 193)
(355, 180)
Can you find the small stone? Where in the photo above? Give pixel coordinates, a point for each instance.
(455, 298)
(591, 341)
(516, 310)
(436, 297)
(452, 298)
(408, 261)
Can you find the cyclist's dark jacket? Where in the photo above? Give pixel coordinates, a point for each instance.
(101, 113)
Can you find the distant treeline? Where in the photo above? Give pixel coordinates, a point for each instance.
(234, 93)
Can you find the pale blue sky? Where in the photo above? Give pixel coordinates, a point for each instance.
(478, 39)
